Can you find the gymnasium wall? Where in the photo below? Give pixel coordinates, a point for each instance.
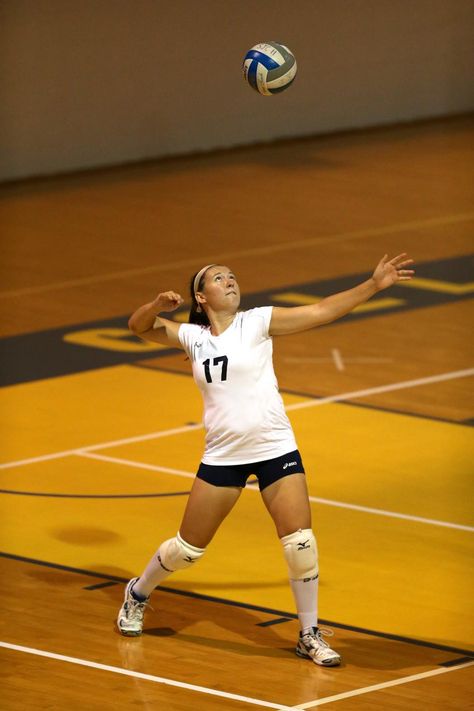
(98, 82)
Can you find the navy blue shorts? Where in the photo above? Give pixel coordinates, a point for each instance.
(266, 472)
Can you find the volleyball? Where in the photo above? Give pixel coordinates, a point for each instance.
(269, 68)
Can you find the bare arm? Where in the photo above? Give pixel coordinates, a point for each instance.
(146, 323)
(302, 318)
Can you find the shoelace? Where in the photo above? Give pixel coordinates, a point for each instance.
(138, 607)
(316, 638)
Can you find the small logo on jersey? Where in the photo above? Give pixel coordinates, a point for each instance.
(289, 464)
(198, 345)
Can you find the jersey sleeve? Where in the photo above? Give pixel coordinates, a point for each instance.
(261, 318)
(188, 335)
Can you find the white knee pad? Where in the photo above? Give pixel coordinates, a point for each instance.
(175, 554)
(301, 553)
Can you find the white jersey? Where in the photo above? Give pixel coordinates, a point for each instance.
(244, 415)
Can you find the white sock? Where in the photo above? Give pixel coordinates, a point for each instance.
(152, 576)
(306, 599)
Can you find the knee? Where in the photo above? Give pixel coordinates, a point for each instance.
(301, 553)
(176, 554)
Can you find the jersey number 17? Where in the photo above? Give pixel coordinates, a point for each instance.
(207, 367)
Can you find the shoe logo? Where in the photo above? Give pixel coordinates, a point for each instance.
(303, 546)
(289, 464)
(188, 559)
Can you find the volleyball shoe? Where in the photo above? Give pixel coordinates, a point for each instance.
(130, 617)
(312, 646)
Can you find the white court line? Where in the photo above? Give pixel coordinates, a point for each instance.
(378, 687)
(296, 406)
(143, 438)
(254, 487)
(138, 465)
(384, 389)
(361, 359)
(338, 362)
(392, 514)
(102, 445)
(146, 677)
(82, 451)
(252, 252)
(227, 695)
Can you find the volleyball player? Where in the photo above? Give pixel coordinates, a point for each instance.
(247, 431)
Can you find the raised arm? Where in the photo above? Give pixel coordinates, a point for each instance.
(302, 318)
(146, 323)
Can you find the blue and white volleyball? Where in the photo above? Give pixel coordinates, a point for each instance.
(269, 68)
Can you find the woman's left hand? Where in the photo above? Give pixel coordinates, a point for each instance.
(391, 271)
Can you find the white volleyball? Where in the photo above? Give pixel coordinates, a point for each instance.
(269, 68)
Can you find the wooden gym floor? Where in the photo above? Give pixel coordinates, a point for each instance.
(101, 434)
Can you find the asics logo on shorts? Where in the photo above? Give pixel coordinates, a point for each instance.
(289, 464)
(302, 546)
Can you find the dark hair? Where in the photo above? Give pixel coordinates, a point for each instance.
(195, 316)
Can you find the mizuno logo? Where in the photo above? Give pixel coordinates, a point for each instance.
(289, 464)
(302, 546)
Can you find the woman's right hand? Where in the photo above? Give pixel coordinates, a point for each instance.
(167, 301)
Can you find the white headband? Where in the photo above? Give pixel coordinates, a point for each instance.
(199, 276)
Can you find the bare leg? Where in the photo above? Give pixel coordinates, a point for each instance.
(288, 504)
(207, 507)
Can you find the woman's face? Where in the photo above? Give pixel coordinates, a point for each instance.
(220, 291)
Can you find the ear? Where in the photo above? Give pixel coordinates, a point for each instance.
(200, 298)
